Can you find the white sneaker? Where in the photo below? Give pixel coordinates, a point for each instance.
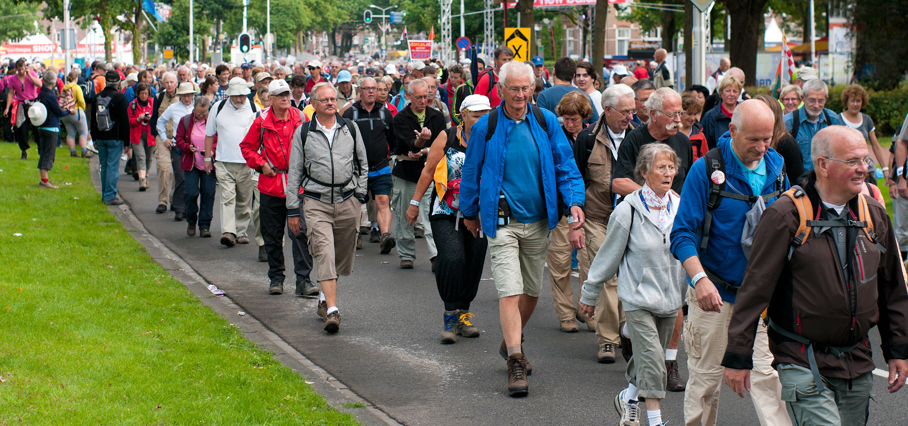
(627, 410)
(124, 157)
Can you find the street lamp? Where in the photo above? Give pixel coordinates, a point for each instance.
(384, 17)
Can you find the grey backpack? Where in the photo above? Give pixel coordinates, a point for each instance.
(102, 114)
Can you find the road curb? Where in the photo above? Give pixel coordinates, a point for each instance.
(335, 392)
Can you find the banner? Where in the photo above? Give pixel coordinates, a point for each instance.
(420, 50)
(564, 3)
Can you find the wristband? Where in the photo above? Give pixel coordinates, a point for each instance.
(885, 169)
(698, 277)
(898, 171)
(414, 203)
(207, 159)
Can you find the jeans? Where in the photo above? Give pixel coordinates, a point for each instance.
(109, 159)
(273, 220)
(198, 181)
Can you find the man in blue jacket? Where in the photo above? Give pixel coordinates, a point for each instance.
(715, 262)
(525, 165)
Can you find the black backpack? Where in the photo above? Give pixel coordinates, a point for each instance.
(796, 121)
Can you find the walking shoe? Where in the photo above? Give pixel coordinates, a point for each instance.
(143, 184)
(606, 353)
(374, 236)
(322, 309)
(590, 323)
(204, 233)
(263, 255)
(359, 242)
(114, 202)
(387, 243)
(73, 154)
(87, 154)
(91, 147)
(242, 240)
(433, 264)
(179, 216)
(332, 322)
(47, 185)
(517, 375)
(406, 264)
(627, 350)
(363, 230)
(419, 233)
(674, 383)
(228, 239)
(127, 170)
(627, 410)
(276, 286)
(503, 351)
(161, 209)
(24, 155)
(448, 335)
(569, 326)
(463, 326)
(190, 230)
(304, 287)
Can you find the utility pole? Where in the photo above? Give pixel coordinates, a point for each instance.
(191, 39)
(67, 52)
(384, 26)
(698, 52)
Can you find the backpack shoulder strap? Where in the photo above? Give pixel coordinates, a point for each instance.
(540, 118)
(185, 122)
(805, 211)
(714, 163)
(355, 114)
(220, 107)
(795, 122)
(352, 129)
(493, 123)
(826, 115)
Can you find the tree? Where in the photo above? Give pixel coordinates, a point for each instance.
(104, 11)
(881, 42)
(798, 11)
(652, 18)
(746, 20)
(20, 21)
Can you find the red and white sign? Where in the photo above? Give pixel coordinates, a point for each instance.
(420, 50)
(563, 3)
(50, 48)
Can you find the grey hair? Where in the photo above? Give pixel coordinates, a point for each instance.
(387, 80)
(362, 81)
(611, 95)
(49, 78)
(416, 82)
(641, 85)
(515, 69)
(202, 101)
(318, 87)
(170, 74)
(647, 158)
(791, 88)
(816, 85)
(184, 67)
(821, 146)
(657, 98)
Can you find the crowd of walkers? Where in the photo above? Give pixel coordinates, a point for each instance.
(749, 228)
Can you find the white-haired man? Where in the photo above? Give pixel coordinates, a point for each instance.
(807, 121)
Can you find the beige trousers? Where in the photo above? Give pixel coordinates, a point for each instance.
(558, 259)
(235, 183)
(165, 170)
(609, 313)
(705, 337)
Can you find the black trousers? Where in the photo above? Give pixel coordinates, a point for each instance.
(273, 220)
(177, 201)
(22, 131)
(458, 266)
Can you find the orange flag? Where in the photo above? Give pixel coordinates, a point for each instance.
(432, 33)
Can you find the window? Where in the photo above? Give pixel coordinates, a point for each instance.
(655, 34)
(571, 43)
(622, 39)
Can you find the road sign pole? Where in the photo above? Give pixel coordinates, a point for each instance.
(698, 51)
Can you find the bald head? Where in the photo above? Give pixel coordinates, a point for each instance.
(839, 155)
(629, 80)
(737, 72)
(660, 55)
(751, 131)
(724, 63)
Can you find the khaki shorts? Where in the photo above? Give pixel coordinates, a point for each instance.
(518, 256)
(332, 229)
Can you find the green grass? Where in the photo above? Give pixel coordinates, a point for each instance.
(96, 332)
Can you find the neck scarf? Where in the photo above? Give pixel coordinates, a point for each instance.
(650, 199)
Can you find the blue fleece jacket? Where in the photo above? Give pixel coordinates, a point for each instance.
(479, 197)
(723, 256)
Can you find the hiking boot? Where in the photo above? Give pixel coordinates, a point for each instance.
(448, 335)
(332, 322)
(590, 323)
(305, 288)
(87, 154)
(374, 236)
(463, 326)
(364, 230)
(606, 353)
(322, 309)
(387, 243)
(674, 383)
(419, 233)
(263, 255)
(503, 351)
(359, 242)
(143, 184)
(179, 216)
(190, 230)
(627, 410)
(161, 209)
(517, 375)
(569, 326)
(114, 202)
(242, 240)
(204, 233)
(47, 185)
(73, 154)
(276, 286)
(406, 264)
(228, 239)
(627, 350)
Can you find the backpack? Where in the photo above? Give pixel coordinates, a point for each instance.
(67, 99)
(491, 80)
(796, 121)
(715, 163)
(103, 118)
(805, 225)
(88, 89)
(304, 134)
(540, 118)
(381, 117)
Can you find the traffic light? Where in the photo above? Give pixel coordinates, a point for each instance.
(367, 16)
(245, 43)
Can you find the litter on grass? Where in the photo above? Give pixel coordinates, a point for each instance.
(17, 234)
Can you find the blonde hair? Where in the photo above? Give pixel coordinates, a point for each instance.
(728, 80)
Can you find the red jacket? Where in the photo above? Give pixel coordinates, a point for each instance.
(135, 127)
(264, 138)
(183, 134)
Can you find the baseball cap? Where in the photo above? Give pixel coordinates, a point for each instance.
(315, 63)
(537, 60)
(262, 75)
(277, 87)
(417, 65)
(344, 76)
(390, 69)
(475, 103)
(246, 65)
(132, 77)
(806, 73)
(619, 70)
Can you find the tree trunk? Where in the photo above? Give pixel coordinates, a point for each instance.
(668, 30)
(527, 20)
(599, 31)
(137, 34)
(688, 44)
(333, 40)
(107, 31)
(745, 18)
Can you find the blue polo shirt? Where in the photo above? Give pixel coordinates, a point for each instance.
(756, 178)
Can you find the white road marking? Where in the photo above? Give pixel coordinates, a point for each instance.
(881, 373)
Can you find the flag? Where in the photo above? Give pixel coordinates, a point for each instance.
(785, 69)
(149, 6)
(432, 33)
(403, 35)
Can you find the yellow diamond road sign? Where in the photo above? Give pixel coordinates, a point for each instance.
(518, 39)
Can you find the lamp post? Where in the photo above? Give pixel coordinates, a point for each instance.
(384, 16)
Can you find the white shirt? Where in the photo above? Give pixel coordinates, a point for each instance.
(596, 97)
(175, 112)
(329, 133)
(616, 140)
(230, 126)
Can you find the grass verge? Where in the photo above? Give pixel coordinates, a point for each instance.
(96, 332)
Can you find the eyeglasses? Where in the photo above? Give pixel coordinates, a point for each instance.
(327, 100)
(641, 100)
(518, 90)
(812, 101)
(624, 113)
(367, 89)
(673, 115)
(421, 98)
(854, 162)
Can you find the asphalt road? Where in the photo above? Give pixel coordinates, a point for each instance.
(388, 351)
